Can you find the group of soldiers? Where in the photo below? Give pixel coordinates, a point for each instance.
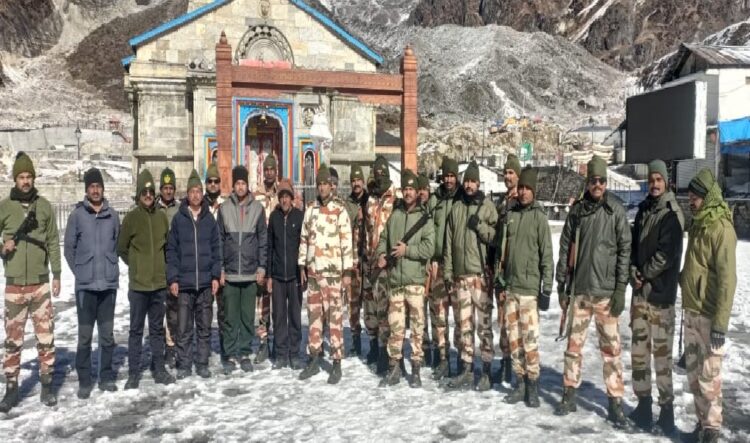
(399, 255)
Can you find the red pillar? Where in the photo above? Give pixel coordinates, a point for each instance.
(224, 111)
(409, 117)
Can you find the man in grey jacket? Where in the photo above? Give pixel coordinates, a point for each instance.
(91, 253)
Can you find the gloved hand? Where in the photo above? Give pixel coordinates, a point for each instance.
(617, 302)
(449, 286)
(499, 282)
(473, 222)
(717, 340)
(562, 298)
(543, 301)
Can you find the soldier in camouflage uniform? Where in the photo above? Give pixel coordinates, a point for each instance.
(379, 208)
(356, 205)
(525, 268)
(326, 262)
(708, 281)
(470, 231)
(406, 277)
(654, 269)
(511, 174)
(167, 203)
(268, 197)
(598, 228)
(31, 245)
(440, 298)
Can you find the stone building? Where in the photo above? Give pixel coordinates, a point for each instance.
(291, 72)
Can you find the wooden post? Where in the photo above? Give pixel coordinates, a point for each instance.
(224, 112)
(409, 116)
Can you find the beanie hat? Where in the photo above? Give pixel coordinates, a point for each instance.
(324, 175)
(334, 175)
(381, 165)
(658, 167)
(513, 163)
(269, 162)
(239, 172)
(449, 166)
(145, 181)
(194, 180)
(701, 183)
(528, 178)
(285, 185)
(167, 178)
(422, 181)
(91, 176)
(356, 173)
(22, 164)
(472, 172)
(408, 179)
(213, 172)
(596, 167)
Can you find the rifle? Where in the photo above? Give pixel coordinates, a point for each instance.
(22, 233)
(681, 362)
(390, 261)
(501, 283)
(566, 319)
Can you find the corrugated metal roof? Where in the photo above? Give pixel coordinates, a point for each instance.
(721, 56)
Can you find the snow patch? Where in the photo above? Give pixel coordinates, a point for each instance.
(584, 31)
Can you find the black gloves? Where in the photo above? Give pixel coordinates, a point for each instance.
(717, 340)
(562, 298)
(543, 301)
(473, 222)
(617, 303)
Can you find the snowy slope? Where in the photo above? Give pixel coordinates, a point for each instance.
(273, 405)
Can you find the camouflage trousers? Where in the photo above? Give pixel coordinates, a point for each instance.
(522, 323)
(474, 301)
(703, 370)
(263, 313)
(402, 300)
(440, 301)
(653, 334)
(354, 303)
(376, 307)
(609, 344)
(501, 323)
(324, 303)
(20, 303)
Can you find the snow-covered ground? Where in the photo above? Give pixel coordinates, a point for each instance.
(269, 405)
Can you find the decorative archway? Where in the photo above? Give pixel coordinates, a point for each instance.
(264, 45)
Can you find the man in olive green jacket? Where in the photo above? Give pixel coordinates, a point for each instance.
(597, 231)
(525, 263)
(406, 277)
(708, 281)
(142, 245)
(470, 230)
(654, 268)
(31, 245)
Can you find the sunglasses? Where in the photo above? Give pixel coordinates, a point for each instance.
(213, 181)
(146, 192)
(597, 181)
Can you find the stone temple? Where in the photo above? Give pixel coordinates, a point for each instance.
(234, 81)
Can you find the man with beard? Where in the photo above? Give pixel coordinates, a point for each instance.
(442, 297)
(654, 270)
(166, 202)
(268, 197)
(356, 205)
(326, 263)
(97, 274)
(31, 245)
(708, 281)
(598, 228)
(469, 232)
(379, 208)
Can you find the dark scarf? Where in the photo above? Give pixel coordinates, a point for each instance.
(23, 197)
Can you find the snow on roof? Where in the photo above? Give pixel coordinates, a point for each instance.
(489, 180)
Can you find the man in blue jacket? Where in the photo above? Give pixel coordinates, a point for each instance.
(91, 253)
(193, 272)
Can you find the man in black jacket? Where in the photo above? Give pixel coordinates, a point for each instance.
(284, 229)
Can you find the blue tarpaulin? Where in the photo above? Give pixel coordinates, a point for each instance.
(734, 136)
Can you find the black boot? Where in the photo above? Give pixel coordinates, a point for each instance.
(484, 381)
(459, 366)
(465, 380)
(356, 345)
(507, 370)
(394, 375)
(10, 400)
(170, 357)
(335, 374)
(641, 415)
(84, 390)
(532, 393)
(568, 402)
(441, 370)
(372, 355)
(709, 435)
(416, 380)
(133, 381)
(693, 436)
(665, 423)
(162, 377)
(518, 394)
(312, 368)
(403, 366)
(48, 397)
(262, 354)
(382, 361)
(616, 415)
(108, 386)
(435, 357)
(246, 364)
